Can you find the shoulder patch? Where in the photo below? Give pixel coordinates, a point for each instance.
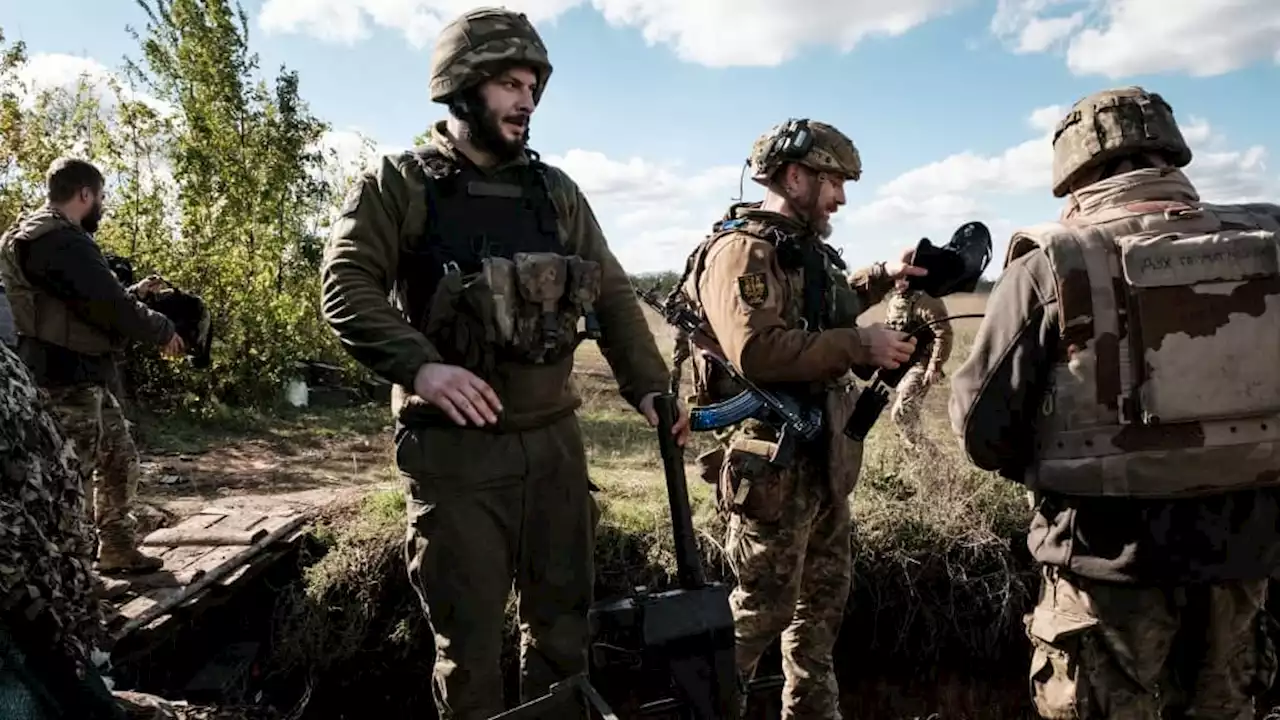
(753, 288)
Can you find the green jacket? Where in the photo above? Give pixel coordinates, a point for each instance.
(385, 211)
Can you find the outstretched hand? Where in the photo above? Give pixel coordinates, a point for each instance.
(681, 426)
(902, 269)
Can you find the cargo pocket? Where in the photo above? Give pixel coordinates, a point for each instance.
(1059, 687)
(750, 485)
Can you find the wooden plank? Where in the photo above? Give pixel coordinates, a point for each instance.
(178, 536)
(245, 520)
(151, 599)
(242, 553)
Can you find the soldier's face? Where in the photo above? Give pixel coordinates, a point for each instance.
(509, 105)
(91, 209)
(816, 197)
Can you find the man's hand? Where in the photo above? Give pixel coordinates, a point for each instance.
(887, 348)
(175, 347)
(681, 426)
(148, 285)
(902, 269)
(459, 392)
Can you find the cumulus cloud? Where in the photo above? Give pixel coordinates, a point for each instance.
(54, 71)
(1119, 38)
(652, 212)
(717, 33)
(1011, 187)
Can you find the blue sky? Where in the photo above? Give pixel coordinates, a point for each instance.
(653, 104)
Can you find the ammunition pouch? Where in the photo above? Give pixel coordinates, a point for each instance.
(750, 485)
(522, 310)
(538, 299)
(460, 321)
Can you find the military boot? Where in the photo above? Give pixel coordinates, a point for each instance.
(125, 559)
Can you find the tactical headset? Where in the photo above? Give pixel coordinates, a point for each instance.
(792, 142)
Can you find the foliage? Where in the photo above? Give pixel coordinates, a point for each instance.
(215, 180)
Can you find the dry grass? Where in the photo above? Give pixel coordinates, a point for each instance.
(938, 573)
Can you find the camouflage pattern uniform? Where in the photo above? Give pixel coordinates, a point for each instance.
(907, 309)
(1152, 463)
(487, 506)
(73, 316)
(51, 617)
(789, 528)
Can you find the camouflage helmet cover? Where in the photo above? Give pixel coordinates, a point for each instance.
(472, 45)
(829, 150)
(1109, 124)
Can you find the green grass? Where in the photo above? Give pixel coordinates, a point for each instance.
(184, 432)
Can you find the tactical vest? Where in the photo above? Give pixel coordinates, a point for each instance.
(488, 280)
(820, 297)
(37, 313)
(1166, 380)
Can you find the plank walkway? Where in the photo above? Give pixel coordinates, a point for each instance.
(206, 556)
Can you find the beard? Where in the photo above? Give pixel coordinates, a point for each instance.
(486, 133)
(91, 219)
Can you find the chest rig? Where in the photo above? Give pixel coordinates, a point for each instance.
(472, 216)
(816, 298)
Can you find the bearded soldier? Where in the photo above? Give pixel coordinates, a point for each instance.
(906, 309)
(775, 298)
(1126, 373)
(72, 317)
(493, 258)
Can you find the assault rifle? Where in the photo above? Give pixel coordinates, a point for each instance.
(799, 423)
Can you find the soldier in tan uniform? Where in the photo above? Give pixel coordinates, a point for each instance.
(492, 258)
(1126, 373)
(776, 299)
(72, 316)
(905, 310)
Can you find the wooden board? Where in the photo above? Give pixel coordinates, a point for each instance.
(214, 548)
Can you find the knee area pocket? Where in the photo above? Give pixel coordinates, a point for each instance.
(1059, 677)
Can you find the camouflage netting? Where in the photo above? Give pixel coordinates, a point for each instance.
(46, 541)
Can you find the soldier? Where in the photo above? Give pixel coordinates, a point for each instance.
(906, 309)
(493, 257)
(776, 300)
(72, 315)
(1126, 374)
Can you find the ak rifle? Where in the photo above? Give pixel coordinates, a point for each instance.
(798, 422)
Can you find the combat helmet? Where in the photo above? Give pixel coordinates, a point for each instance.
(474, 45)
(1109, 124)
(815, 145)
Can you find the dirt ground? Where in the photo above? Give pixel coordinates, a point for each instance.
(304, 458)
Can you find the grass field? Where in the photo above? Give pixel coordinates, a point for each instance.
(941, 579)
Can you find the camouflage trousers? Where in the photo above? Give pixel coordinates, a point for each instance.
(486, 510)
(1123, 652)
(794, 576)
(91, 417)
(907, 403)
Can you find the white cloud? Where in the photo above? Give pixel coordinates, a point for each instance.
(350, 21)
(653, 213)
(1119, 38)
(1012, 187)
(59, 71)
(717, 33)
